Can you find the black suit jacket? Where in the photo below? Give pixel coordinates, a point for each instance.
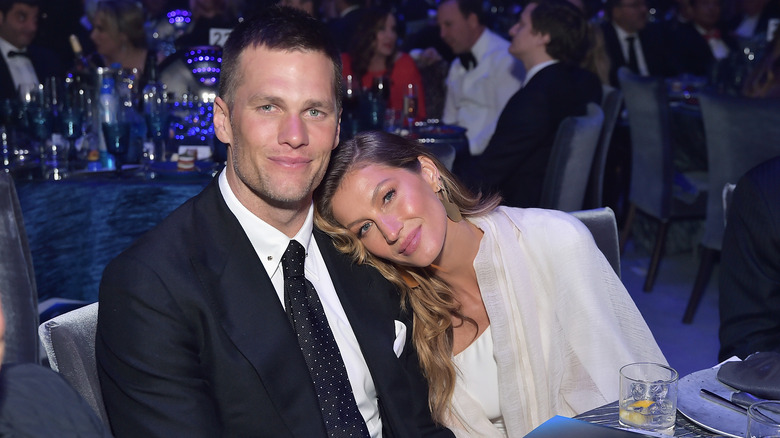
(343, 28)
(655, 49)
(193, 341)
(692, 53)
(515, 160)
(750, 266)
(45, 63)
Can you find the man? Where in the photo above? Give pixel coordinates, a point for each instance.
(750, 266)
(550, 39)
(343, 27)
(199, 329)
(703, 43)
(632, 42)
(22, 66)
(483, 77)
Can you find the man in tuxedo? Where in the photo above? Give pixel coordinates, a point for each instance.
(482, 78)
(632, 42)
(701, 44)
(215, 322)
(750, 265)
(549, 39)
(22, 66)
(343, 27)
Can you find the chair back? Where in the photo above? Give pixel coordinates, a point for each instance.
(741, 133)
(602, 224)
(69, 340)
(571, 159)
(651, 145)
(611, 103)
(18, 292)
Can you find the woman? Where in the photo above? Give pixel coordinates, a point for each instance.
(375, 54)
(118, 33)
(527, 287)
(764, 80)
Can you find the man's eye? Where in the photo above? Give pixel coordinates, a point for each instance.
(266, 107)
(315, 112)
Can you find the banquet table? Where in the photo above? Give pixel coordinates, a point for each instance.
(77, 225)
(607, 415)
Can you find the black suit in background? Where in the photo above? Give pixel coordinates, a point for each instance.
(192, 339)
(343, 28)
(655, 48)
(692, 53)
(750, 265)
(515, 160)
(45, 63)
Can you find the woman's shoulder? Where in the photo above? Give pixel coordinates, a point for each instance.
(404, 60)
(537, 222)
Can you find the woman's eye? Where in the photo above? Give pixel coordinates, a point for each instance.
(388, 196)
(363, 229)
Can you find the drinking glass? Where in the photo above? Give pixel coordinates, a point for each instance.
(648, 397)
(764, 420)
(410, 105)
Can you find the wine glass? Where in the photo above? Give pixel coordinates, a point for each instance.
(117, 137)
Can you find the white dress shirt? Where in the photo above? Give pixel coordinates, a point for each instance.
(640, 55)
(476, 97)
(22, 70)
(270, 244)
(718, 47)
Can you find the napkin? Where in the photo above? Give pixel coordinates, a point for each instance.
(759, 374)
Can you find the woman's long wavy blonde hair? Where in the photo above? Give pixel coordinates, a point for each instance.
(431, 300)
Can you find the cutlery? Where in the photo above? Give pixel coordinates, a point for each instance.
(715, 398)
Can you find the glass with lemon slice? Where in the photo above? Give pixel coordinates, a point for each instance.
(648, 397)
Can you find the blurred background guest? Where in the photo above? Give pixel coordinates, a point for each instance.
(483, 77)
(703, 42)
(22, 65)
(750, 269)
(550, 39)
(119, 35)
(632, 42)
(752, 17)
(343, 26)
(764, 80)
(374, 55)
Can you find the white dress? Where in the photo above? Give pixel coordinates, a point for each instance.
(561, 320)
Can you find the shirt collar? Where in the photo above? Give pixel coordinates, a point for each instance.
(621, 33)
(268, 242)
(480, 48)
(348, 10)
(6, 47)
(536, 69)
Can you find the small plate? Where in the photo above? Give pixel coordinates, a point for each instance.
(705, 413)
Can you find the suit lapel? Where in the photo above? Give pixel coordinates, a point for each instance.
(251, 314)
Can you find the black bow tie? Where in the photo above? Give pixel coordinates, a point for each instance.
(467, 60)
(14, 53)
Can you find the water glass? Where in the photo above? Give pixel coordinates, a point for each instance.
(764, 420)
(648, 397)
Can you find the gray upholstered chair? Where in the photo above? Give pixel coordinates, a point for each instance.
(652, 168)
(611, 103)
(571, 160)
(602, 224)
(69, 340)
(741, 133)
(17, 280)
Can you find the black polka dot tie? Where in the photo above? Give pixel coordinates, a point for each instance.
(319, 348)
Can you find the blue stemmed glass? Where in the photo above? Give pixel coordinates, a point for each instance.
(117, 136)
